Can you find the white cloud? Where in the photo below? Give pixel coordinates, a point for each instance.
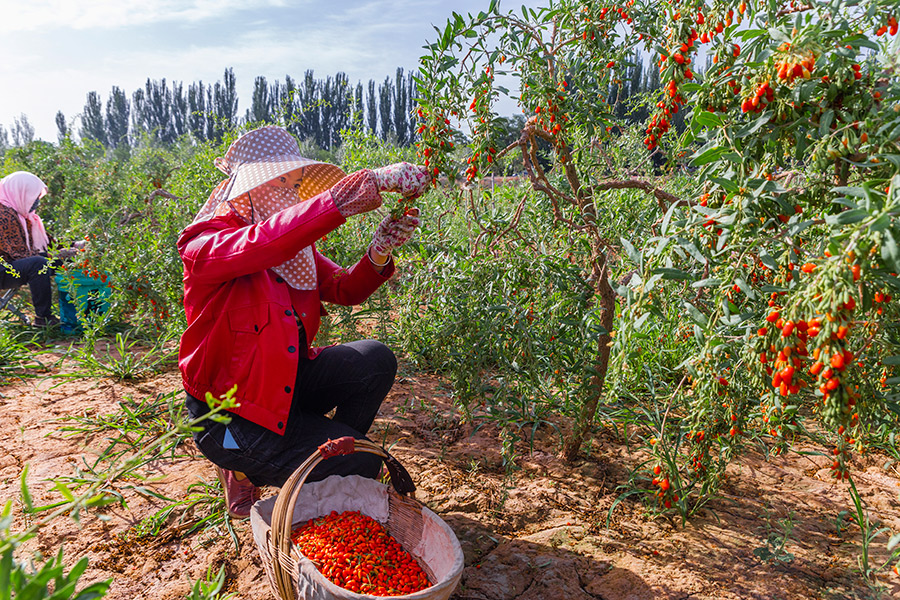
(33, 15)
(53, 61)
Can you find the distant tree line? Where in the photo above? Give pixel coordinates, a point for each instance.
(312, 109)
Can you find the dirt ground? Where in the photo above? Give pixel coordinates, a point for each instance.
(542, 535)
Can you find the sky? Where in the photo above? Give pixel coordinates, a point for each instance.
(53, 52)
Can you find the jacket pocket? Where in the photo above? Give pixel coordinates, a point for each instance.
(250, 319)
(247, 324)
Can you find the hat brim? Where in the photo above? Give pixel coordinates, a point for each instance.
(317, 176)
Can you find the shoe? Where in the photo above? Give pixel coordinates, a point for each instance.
(50, 321)
(240, 494)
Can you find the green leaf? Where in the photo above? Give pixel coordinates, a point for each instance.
(639, 322)
(669, 273)
(708, 119)
(881, 223)
(847, 217)
(708, 282)
(630, 250)
(805, 90)
(710, 155)
(891, 360)
(755, 126)
(725, 184)
(752, 33)
(698, 317)
(666, 219)
(64, 490)
(26, 495)
(889, 251)
(825, 122)
(6, 566)
(694, 252)
(856, 192)
(768, 260)
(892, 543)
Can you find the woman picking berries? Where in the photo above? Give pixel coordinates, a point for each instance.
(253, 287)
(24, 242)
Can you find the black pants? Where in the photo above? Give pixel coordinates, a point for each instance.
(353, 378)
(36, 272)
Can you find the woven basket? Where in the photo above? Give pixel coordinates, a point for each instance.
(420, 531)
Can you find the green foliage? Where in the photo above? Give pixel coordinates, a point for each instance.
(137, 423)
(771, 271)
(47, 581)
(79, 494)
(510, 321)
(210, 588)
(16, 356)
(125, 360)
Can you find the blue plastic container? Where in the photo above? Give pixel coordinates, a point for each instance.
(80, 298)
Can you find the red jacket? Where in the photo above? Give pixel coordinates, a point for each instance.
(241, 315)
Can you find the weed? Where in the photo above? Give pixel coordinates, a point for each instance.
(201, 510)
(137, 423)
(210, 588)
(125, 361)
(870, 532)
(776, 539)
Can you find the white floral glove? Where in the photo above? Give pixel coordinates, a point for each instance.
(405, 178)
(73, 250)
(393, 232)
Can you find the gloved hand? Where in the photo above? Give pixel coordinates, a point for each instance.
(393, 232)
(354, 194)
(73, 250)
(408, 179)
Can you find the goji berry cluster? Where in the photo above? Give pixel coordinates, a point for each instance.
(891, 27)
(666, 495)
(435, 143)
(357, 553)
(792, 64)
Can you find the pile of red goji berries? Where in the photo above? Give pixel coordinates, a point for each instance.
(357, 553)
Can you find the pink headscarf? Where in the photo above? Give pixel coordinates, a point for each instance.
(18, 191)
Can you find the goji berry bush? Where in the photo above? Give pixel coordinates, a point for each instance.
(769, 251)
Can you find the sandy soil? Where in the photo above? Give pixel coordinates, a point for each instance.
(541, 535)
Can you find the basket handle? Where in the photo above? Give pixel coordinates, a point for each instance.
(282, 513)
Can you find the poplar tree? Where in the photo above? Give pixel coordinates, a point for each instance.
(179, 110)
(385, 92)
(224, 106)
(92, 125)
(117, 118)
(358, 101)
(196, 100)
(309, 106)
(23, 131)
(260, 110)
(287, 104)
(61, 127)
(401, 109)
(372, 108)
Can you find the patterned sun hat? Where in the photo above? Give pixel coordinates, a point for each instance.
(254, 159)
(261, 155)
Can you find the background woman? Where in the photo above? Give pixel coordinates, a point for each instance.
(23, 242)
